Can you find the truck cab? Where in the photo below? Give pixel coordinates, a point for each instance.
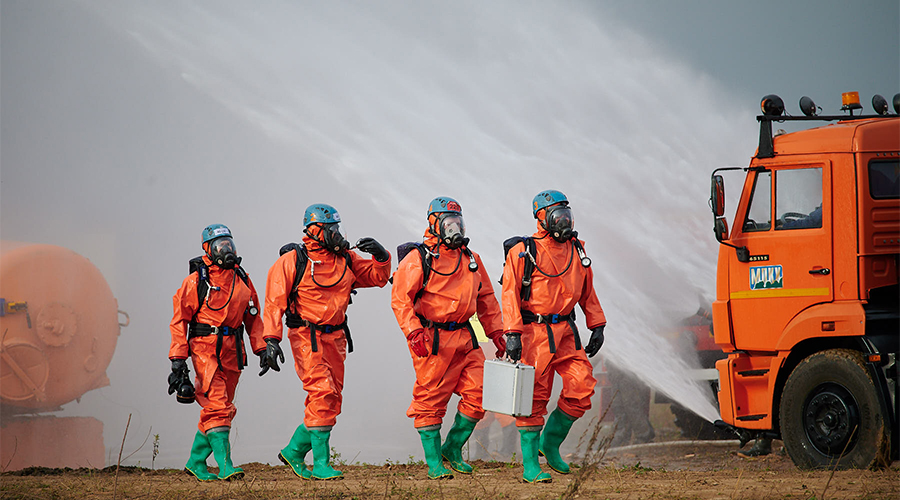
(807, 301)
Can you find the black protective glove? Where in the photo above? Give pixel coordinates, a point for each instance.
(596, 342)
(371, 246)
(178, 376)
(514, 345)
(269, 357)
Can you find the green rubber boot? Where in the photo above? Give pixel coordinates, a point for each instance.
(530, 436)
(456, 438)
(431, 443)
(555, 431)
(196, 464)
(294, 454)
(321, 450)
(221, 448)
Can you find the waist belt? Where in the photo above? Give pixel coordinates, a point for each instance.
(295, 321)
(204, 330)
(451, 326)
(529, 317)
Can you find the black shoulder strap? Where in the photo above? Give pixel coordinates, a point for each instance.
(300, 267)
(528, 269)
(426, 269)
(426, 263)
(243, 274)
(197, 265)
(404, 249)
(530, 249)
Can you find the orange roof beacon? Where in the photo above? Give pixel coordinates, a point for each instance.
(807, 297)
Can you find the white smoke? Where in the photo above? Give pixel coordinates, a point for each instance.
(376, 108)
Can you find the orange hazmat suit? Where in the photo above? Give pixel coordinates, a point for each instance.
(552, 295)
(323, 295)
(452, 295)
(227, 306)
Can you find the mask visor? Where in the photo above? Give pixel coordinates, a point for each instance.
(223, 252)
(561, 222)
(452, 225)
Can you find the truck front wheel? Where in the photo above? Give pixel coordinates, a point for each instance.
(830, 415)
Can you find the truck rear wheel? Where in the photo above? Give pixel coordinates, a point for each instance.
(830, 415)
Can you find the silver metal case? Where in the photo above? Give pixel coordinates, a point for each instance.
(508, 387)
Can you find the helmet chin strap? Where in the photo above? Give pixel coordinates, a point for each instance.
(315, 238)
(307, 232)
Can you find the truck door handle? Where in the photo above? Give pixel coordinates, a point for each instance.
(824, 271)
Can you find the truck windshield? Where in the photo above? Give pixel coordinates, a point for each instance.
(798, 198)
(759, 214)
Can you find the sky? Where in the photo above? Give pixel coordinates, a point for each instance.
(127, 127)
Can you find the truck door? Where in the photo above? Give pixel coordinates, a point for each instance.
(787, 230)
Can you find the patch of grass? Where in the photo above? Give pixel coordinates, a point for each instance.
(336, 458)
(593, 448)
(637, 468)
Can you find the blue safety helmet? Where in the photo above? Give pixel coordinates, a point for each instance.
(444, 204)
(214, 231)
(546, 198)
(320, 213)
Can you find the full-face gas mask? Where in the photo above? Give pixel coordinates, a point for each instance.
(185, 392)
(180, 383)
(332, 239)
(452, 230)
(560, 223)
(223, 253)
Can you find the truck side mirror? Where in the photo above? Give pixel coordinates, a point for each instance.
(721, 229)
(717, 205)
(717, 196)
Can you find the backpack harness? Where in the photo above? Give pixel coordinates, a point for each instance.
(196, 329)
(529, 317)
(426, 257)
(293, 320)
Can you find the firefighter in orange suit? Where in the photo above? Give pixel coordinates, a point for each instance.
(213, 307)
(436, 289)
(317, 325)
(540, 328)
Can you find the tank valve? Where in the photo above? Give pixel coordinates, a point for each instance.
(14, 307)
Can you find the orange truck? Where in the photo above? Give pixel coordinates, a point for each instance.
(807, 298)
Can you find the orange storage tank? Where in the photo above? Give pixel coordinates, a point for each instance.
(59, 324)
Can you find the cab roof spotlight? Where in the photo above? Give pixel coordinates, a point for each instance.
(808, 107)
(880, 104)
(772, 105)
(850, 101)
(897, 103)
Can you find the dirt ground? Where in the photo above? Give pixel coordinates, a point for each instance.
(673, 470)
